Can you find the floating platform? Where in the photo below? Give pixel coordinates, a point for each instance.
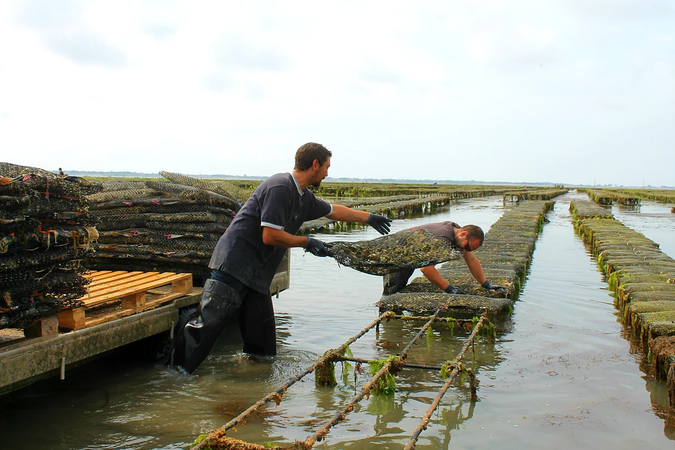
(120, 308)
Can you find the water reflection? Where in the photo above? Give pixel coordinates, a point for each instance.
(654, 220)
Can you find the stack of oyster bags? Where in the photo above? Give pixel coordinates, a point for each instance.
(162, 226)
(45, 232)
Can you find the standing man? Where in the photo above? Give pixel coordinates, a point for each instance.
(465, 239)
(249, 252)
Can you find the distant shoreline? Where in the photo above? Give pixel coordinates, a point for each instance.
(354, 180)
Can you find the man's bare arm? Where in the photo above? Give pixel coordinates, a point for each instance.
(434, 277)
(474, 267)
(281, 238)
(344, 214)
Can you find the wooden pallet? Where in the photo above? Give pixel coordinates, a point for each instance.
(112, 295)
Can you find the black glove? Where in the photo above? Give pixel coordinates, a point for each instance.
(490, 287)
(450, 289)
(316, 247)
(380, 223)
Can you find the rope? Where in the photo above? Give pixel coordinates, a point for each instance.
(456, 369)
(276, 395)
(218, 439)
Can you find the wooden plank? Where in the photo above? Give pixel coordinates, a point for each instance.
(183, 285)
(115, 277)
(102, 288)
(127, 312)
(132, 291)
(96, 273)
(71, 319)
(130, 288)
(134, 301)
(111, 276)
(46, 326)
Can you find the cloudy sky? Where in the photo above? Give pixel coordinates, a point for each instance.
(566, 91)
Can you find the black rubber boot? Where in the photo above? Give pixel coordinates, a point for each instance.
(183, 317)
(194, 341)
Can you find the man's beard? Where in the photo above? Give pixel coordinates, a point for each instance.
(316, 184)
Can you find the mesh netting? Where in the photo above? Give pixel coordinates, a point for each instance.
(646, 287)
(651, 306)
(148, 253)
(665, 328)
(45, 231)
(32, 309)
(143, 201)
(198, 268)
(630, 256)
(193, 193)
(584, 209)
(158, 226)
(14, 170)
(655, 266)
(121, 221)
(206, 227)
(44, 239)
(455, 305)
(640, 277)
(644, 318)
(177, 246)
(122, 185)
(123, 194)
(462, 278)
(127, 212)
(407, 249)
(170, 241)
(38, 260)
(41, 283)
(220, 187)
(651, 296)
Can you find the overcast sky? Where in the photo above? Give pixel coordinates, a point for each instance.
(577, 91)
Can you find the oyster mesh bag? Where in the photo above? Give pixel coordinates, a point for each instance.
(407, 249)
(45, 231)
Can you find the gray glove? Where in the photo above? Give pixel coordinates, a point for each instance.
(380, 223)
(450, 289)
(316, 247)
(491, 287)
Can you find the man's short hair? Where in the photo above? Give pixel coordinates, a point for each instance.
(475, 232)
(305, 156)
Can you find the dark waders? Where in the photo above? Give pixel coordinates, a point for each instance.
(394, 282)
(195, 335)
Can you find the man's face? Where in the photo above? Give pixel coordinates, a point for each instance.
(462, 241)
(321, 172)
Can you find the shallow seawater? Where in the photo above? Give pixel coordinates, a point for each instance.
(563, 372)
(652, 219)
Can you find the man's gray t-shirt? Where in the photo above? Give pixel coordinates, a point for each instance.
(277, 203)
(443, 230)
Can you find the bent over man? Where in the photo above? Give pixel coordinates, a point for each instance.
(465, 239)
(249, 252)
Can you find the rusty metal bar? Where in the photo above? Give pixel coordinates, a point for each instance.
(366, 361)
(456, 369)
(276, 395)
(397, 363)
